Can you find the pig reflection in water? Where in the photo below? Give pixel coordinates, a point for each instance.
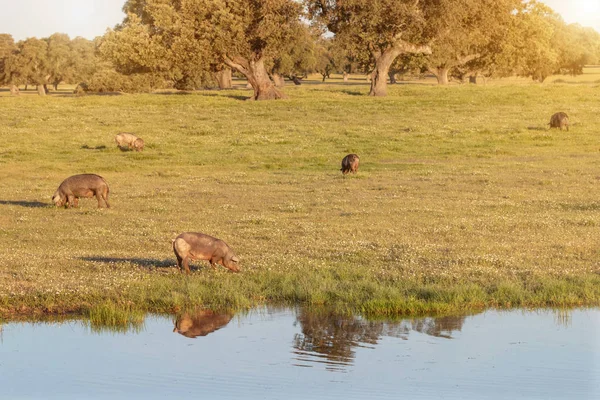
(200, 323)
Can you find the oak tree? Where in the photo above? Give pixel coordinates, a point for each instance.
(186, 38)
(374, 32)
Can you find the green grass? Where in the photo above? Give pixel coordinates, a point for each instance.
(463, 200)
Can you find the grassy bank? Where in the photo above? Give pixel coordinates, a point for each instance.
(463, 199)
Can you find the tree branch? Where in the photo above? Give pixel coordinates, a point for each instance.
(465, 59)
(405, 47)
(240, 64)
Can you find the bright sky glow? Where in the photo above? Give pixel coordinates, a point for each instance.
(583, 12)
(42, 18)
(91, 18)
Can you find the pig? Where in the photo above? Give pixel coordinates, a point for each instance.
(559, 120)
(201, 323)
(198, 246)
(129, 141)
(84, 185)
(350, 164)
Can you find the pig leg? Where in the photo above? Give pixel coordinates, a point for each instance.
(186, 266)
(179, 262)
(76, 202)
(71, 201)
(214, 261)
(99, 198)
(105, 197)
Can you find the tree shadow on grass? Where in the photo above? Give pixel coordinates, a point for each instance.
(140, 262)
(22, 203)
(238, 97)
(231, 96)
(174, 93)
(353, 93)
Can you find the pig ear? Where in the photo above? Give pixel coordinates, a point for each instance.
(235, 259)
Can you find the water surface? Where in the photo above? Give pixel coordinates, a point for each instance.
(297, 354)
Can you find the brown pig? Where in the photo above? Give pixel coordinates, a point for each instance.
(350, 164)
(201, 323)
(198, 246)
(84, 185)
(129, 141)
(559, 120)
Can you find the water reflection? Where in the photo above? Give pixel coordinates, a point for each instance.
(201, 323)
(497, 355)
(442, 327)
(332, 339)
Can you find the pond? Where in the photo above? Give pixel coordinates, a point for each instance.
(299, 354)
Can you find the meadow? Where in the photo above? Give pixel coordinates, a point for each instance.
(464, 199)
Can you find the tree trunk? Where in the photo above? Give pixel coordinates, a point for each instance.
(41, 91)
(346, 76)
(380, 73)
(256, 73)
(25, 87)
(324, 76)
(441, 73)
(473, 79)
(56, 86)
(392, 75)
(278, 80)
(384, 60)
(46, 88)
(14, 90)
(223, 78)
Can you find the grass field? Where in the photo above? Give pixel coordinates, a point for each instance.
(463, 199)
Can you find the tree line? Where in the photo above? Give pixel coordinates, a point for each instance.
(190, 44)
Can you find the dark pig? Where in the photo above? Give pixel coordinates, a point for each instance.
(198, 246)
(84, 185)
(350, 164)
(559, 120)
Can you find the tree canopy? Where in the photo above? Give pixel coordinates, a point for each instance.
(464, 30)
(375, 32)
(185, 37)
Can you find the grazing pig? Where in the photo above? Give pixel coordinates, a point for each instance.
(129, 141)
(559, 120)
(350, 164)
(198, 246)
(201, 323)
(84, 185)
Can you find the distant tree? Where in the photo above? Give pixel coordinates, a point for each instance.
(7, 50)
(296, 60)
(577, 47)
(29, 64)
(59, 59)
(344, 62)
(406, 64)
(324, 63)
(84, 60)
(374, 32)
(529, 49)
(334, 58)
(463, 31)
